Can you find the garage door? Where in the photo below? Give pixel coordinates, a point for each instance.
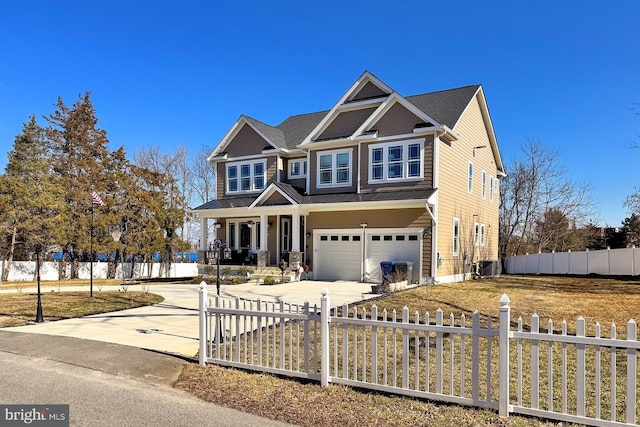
(389, 246)
(338, 256)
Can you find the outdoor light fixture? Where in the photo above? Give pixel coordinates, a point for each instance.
(218, 225)
(477, 148)
(250, 223)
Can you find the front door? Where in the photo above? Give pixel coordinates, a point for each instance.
(285, 242)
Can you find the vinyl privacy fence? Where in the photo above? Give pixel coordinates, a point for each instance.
(480, 361)
(607, 262)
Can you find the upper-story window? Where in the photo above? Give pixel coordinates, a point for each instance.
(484, 185)
(246, 176)
(456, 237)
(470, 184)
(396, 161)
(334, 168)
(297, 168)
(491, 188)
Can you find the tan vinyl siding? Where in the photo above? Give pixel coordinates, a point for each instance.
(369, 90)
(247, 142)
(455, 200)
(426, 183)
(346, 123)
(397, 121)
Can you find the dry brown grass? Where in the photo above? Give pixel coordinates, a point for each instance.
(307, 404)
(55, 284)
(20, 308)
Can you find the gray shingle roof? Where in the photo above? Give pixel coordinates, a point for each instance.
(298, 197)
(444, 106)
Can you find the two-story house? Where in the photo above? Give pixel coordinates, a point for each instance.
(379, 176)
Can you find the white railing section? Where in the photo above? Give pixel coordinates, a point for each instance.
(575, 378)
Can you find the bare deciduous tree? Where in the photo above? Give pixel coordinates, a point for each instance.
(536, 184)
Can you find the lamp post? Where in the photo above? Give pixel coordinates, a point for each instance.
(219, 249)
(39, 317)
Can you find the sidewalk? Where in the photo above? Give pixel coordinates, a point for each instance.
(172, 326)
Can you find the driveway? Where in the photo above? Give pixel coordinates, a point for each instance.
(172, 326)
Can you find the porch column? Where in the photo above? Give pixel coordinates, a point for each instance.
(264, 230)
(295, 232)
(203, 232)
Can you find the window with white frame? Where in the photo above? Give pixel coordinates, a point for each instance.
(456, 237)
(491, 189)
(476, 234)
(484, 185)
(297, 168)
(244, 177)
(396, 161)
(334, 168)
(470, 184)
(482, 234)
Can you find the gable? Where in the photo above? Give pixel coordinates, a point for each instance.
(397, 121)
(246, 142)
(276, 199)
(368, 91)
(346, 123)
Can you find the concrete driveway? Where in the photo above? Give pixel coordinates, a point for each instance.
(172, 326)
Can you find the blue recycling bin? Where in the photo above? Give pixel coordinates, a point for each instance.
(387, 267)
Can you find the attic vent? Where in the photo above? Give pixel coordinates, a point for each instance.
(423, 125)
(268, 147)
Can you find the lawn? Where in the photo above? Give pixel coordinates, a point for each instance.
(17, 309)
(559, 298)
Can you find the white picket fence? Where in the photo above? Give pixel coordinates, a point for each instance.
(607, 262)
(589, 380)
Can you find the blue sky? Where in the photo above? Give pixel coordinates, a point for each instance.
(175, 73)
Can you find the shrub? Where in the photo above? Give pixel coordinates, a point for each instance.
(209, 269)
(244, 271)
(227, 271)
(269, 281)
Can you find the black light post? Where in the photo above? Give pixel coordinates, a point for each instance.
(39, 317)
(219, 250)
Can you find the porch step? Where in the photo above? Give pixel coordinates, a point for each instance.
(274, 272)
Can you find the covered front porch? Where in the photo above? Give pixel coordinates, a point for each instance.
(260, 240)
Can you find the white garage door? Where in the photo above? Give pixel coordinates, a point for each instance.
(392, 246)
(338, 256)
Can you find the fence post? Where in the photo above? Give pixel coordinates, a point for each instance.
(631, 373)
(324, 336)
(503, 372)
(202, 319)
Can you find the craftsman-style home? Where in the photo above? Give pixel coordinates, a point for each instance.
(378, 177)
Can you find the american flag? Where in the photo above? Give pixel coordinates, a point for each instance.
(96, 199)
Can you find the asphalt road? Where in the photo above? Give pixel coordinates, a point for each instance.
(105, 393)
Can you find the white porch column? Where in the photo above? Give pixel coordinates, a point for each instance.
(295, 232)
(264, 230)
(203, 232)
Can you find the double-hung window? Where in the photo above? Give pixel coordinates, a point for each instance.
(334, 168)
(396, 161)
(470, 184)
(246, 176)
(297, 168)
(491, 188)
(484, 185)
